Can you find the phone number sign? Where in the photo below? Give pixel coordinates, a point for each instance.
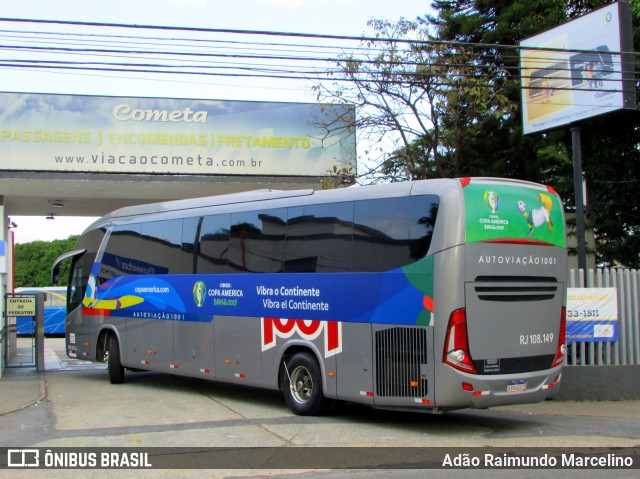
(592, 314)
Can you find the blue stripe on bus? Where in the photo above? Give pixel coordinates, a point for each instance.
(388, 298)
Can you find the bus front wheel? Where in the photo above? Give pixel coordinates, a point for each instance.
(114, 366)
(302, 385)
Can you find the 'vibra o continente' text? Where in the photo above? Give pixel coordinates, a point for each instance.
(124, 112)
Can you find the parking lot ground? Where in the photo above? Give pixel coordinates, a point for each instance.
(72, 404)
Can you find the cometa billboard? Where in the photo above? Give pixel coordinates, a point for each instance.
(578, 70)
(91, 134)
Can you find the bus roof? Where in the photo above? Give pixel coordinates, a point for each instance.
(432, 186)
(195, 203)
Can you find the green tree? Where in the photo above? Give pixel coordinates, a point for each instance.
(467, 77)
(404, 92)
(34, 260)
(394, 106)
(449, 104)
(494, 28)
(610, 145)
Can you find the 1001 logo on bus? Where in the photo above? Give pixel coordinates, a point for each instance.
(273, 328)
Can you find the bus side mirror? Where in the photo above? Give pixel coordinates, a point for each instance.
(55, 268)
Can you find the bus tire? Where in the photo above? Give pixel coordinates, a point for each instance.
(114, 366)
(305, 397)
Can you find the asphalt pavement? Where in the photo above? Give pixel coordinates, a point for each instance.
(71, 404)
(23, 387)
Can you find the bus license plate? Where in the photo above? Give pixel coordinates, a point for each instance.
(516, 386)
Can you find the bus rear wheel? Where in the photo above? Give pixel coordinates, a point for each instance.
(114, 366)
(302, 385)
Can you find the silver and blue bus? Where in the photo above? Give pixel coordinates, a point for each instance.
(421, 296)
(55, 311)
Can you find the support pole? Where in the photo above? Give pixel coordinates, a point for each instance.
(577, 187)
(39, 331)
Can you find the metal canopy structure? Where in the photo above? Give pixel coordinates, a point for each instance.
(41, 194)
(80, 155)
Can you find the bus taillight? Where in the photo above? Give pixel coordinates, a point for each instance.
(562, 346)
(456, 346)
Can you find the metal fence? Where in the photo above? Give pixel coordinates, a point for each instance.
(626, 350)
(20, 349)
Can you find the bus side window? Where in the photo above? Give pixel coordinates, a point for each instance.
(120, 255)
(186, 262)
(213, 245)
(392, 232)
(161, 246)
(319, 238)
(257, 241)
(422, 229)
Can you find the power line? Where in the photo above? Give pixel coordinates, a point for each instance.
(209, 56)
(413, 43)
(375, 39)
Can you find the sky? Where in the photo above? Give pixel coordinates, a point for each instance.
(332, 17)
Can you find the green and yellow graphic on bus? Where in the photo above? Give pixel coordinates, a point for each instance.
(495, 211)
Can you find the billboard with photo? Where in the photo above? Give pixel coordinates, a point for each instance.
(578, 70)
(92, 134)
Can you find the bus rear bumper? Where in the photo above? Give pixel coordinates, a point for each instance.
(462, 390)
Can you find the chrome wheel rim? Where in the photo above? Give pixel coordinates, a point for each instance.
(301, 384)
